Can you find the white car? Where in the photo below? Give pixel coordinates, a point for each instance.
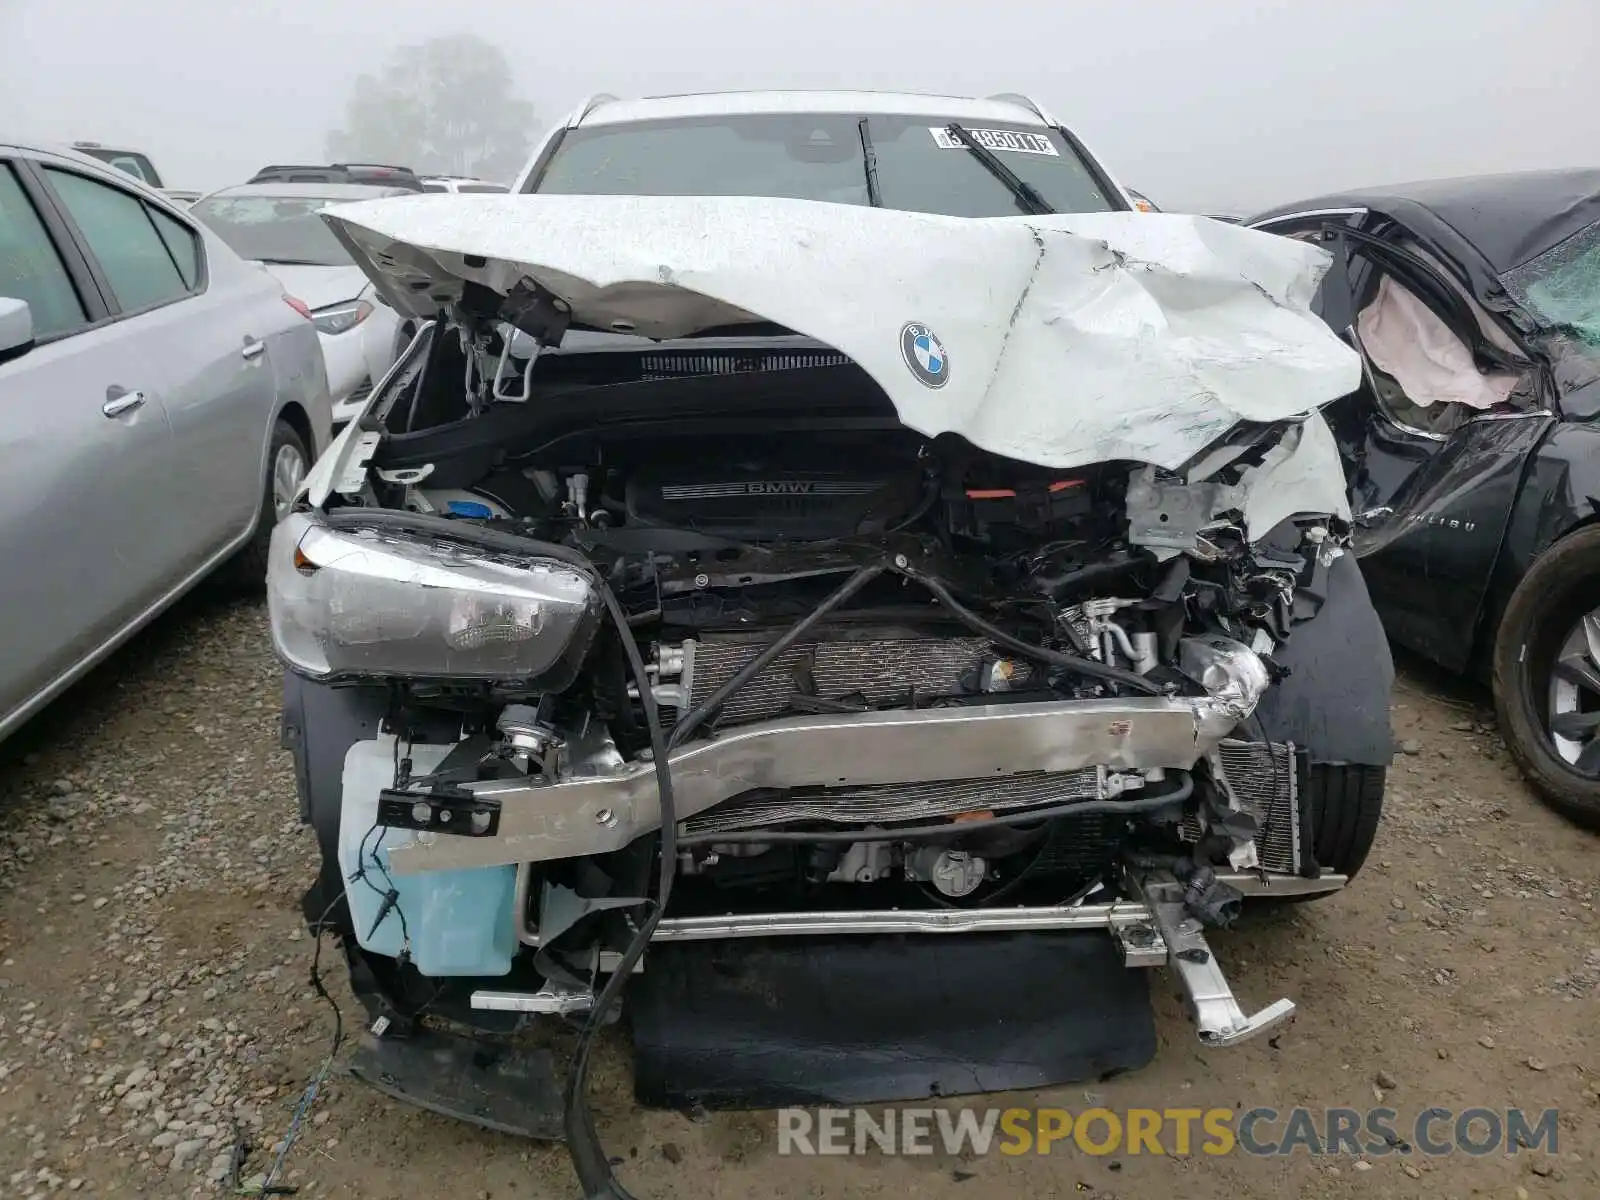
(276, 224)
(460, 183)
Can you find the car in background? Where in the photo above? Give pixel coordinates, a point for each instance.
(160, 401)
(460, 183)
(181, 196)
(379, 174)
(1472, 448)
(131, 162)
(276, 224)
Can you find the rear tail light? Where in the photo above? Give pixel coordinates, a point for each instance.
(298, 305)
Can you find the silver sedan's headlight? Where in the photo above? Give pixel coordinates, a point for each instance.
(364, 603)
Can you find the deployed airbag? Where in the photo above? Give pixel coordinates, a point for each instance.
(1407, 341)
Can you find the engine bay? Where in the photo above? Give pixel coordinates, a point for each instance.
(781, 547)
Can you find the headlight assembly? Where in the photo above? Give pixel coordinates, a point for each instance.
(341, 318)
(367, 603)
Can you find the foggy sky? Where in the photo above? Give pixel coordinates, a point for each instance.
(1221, 104)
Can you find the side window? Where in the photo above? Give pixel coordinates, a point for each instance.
(122, 236)
(30, 268)
(182, 244)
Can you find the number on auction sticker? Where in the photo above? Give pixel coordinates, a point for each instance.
(1013, 140)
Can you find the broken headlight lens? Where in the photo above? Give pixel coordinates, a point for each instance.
(1233, 675)
(365, 603)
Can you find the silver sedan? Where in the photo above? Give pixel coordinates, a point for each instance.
(160, 401)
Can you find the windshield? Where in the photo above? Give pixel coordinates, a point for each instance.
(1561, 288)
(129, 161)
(920, 167)
(274, 229)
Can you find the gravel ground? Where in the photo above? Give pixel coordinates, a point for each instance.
(154, 989)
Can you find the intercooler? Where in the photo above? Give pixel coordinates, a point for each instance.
(1261, 778)
(876, 671)
(895, 802)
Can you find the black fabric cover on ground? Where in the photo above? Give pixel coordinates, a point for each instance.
(866, 1020)
(508, 1090)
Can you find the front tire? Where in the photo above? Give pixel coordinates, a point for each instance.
(287, 463)
(1346, 805)
(1547, 676)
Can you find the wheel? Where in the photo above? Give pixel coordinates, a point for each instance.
(287, 462)
(1547, 676)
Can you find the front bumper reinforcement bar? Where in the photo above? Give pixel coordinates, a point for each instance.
(602, 812)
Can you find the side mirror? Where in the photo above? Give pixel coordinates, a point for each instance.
(16, 328)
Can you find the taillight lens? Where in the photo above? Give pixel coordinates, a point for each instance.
(299, 305)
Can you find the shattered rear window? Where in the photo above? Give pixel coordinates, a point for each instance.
(1561, 288)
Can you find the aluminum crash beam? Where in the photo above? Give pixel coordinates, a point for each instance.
(605, 811)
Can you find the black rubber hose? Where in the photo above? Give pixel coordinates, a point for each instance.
(707, 708)
(589, 1159)
(1125, 807)
(1069, 662)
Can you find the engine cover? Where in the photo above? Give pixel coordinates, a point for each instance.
(767, 500)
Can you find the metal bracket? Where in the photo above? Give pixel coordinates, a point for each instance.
(551, 999)
(463, 815)
(1218, 1018)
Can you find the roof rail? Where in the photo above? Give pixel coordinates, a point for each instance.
(594, 102)
(345, 166)
(1026, 102)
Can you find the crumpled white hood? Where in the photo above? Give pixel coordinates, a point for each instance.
(1059, 340)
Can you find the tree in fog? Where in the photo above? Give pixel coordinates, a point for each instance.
(446, 106)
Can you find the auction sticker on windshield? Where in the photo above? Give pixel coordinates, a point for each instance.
(1013, 140)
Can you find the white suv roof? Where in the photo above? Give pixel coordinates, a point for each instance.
(608, 110)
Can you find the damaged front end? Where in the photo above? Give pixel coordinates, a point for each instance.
(596, 644)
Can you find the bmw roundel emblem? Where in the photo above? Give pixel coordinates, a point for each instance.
(924, 354)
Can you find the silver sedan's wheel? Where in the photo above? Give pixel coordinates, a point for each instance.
(1574, 704)
(288, 471)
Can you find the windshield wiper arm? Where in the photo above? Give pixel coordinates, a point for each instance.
(870, 157)
(1026, 196)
